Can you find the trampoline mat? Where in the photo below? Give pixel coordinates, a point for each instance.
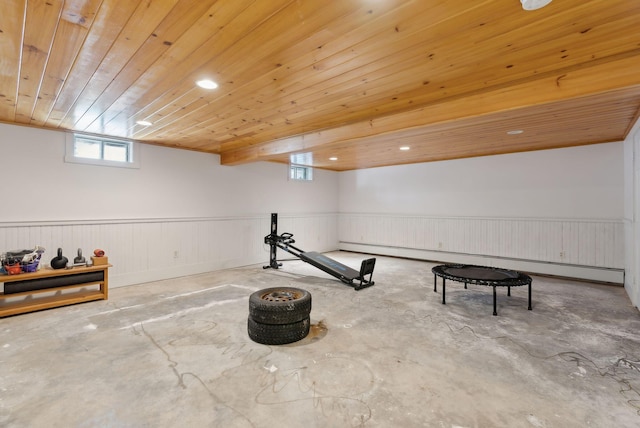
(480, 273)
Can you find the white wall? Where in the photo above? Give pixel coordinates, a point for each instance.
(580, 182)
(170, 183)
(559, 209)
(632, 214)
(180, 201)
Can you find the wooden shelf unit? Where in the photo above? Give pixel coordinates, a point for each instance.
(33, 299)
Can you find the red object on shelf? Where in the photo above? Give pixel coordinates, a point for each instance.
(98, 252)
(13, 269)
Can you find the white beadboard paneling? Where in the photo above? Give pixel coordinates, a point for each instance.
(579, 242)
(613, 276)
(311, 233)
(144, 250)
(632, 213)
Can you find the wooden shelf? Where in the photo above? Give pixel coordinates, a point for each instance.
(32, 300)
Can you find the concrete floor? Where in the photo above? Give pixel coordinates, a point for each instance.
(176, 353)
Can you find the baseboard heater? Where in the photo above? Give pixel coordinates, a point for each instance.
(589, 273)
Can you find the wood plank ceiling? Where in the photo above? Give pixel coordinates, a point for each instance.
(351, 79)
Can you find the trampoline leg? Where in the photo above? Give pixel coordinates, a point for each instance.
(435, 282)
(443, 290)
(465, 285)
(494, 301)
(508, 291)
(529, 297)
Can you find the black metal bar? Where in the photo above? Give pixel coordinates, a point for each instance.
(529, 296)
(271, 239)
(494, 301)
(444, 281)
(509, 291)
(435, 283)
(290, 249)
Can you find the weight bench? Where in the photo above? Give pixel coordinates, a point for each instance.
(349, 276)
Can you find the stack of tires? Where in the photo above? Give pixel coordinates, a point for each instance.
(280, 315)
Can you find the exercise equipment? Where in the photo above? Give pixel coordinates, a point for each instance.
(349, 276)
(60, 261)
(481, 275)
(80, 260)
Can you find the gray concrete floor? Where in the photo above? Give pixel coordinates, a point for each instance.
(176, 353)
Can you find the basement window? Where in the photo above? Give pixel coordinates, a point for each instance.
(92, 150)
(300, 172)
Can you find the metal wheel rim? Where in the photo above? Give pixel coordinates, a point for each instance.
(281, 296)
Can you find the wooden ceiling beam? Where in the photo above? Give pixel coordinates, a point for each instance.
(602, 76)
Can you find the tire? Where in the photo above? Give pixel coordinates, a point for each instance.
(278, 334)
(279, 305)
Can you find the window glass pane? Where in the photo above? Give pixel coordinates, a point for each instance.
(93, 150)
(88, 149)
(297, 172)
(116, 152)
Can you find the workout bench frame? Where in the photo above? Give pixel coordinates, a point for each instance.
(356, 279)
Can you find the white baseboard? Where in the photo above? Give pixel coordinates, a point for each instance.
(609, 275)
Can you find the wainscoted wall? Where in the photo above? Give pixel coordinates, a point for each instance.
(587, 249)
(558, 212)
(154, 249)
(632, 214)
(180, 213)
(554, 211)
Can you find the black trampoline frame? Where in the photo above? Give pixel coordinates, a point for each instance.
(518, 280)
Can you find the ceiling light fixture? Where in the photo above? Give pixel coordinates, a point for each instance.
(515, 132)
(207, 84)
(333, 158)
(144, 123)
(405, 148)
(534, 4)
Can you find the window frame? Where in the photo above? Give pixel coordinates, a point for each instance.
(308, 172)
(133, 152)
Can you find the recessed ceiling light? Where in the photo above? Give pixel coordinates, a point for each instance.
(515, 132)
(207, 84)
(405, 148)
(333, 158)
(144, 123)
(534, 4)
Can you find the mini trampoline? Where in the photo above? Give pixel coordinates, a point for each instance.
(481, 275)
